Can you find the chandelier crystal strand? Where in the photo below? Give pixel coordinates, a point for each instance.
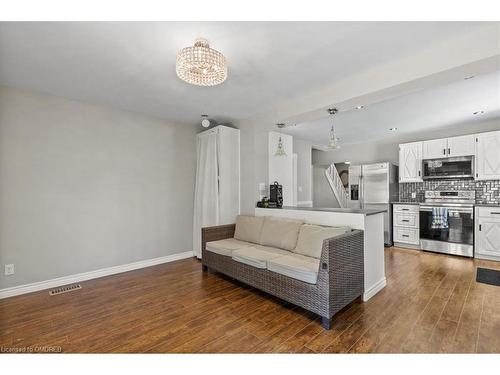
(201, 65)
(332, 142)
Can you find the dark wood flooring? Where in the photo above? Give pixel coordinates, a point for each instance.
(431, 304)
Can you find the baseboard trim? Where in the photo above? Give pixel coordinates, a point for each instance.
(52, 283)
(377, 287)
(304, 203)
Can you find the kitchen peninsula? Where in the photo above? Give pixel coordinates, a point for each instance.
(369, 221)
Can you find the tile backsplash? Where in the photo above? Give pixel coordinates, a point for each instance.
(487, 192)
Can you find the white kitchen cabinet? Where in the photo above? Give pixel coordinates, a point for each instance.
(449, 147)
(435, 148)
(461, 146)
(488, 156)
(410, 162)
(406, 225)
(487, 244)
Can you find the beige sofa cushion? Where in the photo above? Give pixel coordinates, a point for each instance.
(227, 246)
(310, 241)
(248, 228)
(280, 233)
(296, 266)
(257, 256)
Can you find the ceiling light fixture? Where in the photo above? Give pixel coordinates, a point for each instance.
(469, 77)
(280, 150)
(478, 113)
(393, 129)
(333, 141)
(205, 122)
(201, 65)
(360, 107)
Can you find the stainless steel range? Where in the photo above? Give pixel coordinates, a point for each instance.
(447, 222)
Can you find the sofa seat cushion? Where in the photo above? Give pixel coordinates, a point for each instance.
(280, 233)
(257, 256)
(248, 228)
(311, 237)
(296, 266)
(227, 246)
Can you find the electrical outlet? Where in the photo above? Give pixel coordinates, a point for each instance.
(413, 195)
(9, 269)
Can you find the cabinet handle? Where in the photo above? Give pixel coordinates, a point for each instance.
(405, 235)
(449, 150)
(444, 151)
(405, 221)
(495, 213)
(405, 209)
(419, 173)
(480, 227)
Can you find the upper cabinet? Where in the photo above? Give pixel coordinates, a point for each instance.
(449, 147)
(461, 146)
(488, 156)
(435, 148)
(410, 162)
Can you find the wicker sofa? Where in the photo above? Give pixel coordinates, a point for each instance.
(323, 283)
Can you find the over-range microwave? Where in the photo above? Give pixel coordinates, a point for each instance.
(457, 168)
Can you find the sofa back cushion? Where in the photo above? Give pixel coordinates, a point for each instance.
(311, 237)
(248, 228)
(280, 233)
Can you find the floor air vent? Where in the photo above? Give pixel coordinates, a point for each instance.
(65, 289)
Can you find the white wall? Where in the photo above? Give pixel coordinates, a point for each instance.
(322, 192)
(303, 149)
(280, 168)
(85, 187)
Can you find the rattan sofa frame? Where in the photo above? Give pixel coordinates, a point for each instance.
(340, 276)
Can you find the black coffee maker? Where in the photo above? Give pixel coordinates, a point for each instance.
(276, 195)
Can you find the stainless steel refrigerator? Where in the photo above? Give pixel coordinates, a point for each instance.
(375, 186)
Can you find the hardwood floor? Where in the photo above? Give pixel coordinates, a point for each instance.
(431, 304)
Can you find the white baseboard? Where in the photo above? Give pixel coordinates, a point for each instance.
(48, 284)
(377, 287)
(304, 203)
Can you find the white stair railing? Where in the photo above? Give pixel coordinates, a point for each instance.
(332, 175)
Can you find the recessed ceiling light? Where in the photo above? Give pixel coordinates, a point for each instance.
(347, 162)
(478, 113)
(393, 129)
(469, 77)
(360, 107)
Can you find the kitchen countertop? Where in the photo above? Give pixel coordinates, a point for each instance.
(476, 204)
(337, 210)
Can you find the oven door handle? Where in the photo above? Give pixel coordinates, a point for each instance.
(450, 210)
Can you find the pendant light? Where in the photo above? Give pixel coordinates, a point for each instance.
(332, 142)
(280, 150)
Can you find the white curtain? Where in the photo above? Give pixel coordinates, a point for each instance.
(206, 195)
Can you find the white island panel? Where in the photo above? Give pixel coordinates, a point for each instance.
(369, 221)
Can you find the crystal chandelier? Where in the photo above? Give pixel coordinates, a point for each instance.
(201, 65)
(280, 151)
(332, 142)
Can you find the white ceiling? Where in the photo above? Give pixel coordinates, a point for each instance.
(132, 65)
(416, 113)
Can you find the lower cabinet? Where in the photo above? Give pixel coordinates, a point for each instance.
(406, 225)
(487, 236)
